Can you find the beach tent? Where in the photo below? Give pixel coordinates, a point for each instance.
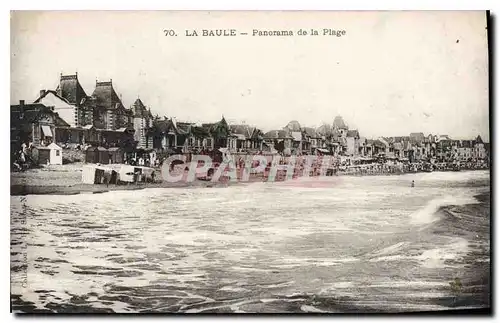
(129, 173)
(147, 173)
(97, 155)
(116, 155)
(93, 174)
(52, 154)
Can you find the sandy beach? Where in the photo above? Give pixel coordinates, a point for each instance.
(67, 180)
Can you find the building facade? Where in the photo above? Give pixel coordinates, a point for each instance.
(142, 121)
(109, 112)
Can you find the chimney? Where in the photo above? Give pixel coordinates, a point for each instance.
(21, 107)
(42, 93)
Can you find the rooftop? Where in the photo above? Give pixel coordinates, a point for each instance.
(140, 110)
(277, 134)
(106, 96)
(70, 89)
(241, 129)
(339, 123)
(293, 125)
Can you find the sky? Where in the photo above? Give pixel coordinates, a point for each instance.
(392, 73)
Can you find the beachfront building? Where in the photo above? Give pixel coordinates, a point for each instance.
(345, 142)
(340, 126)
(142, 121)
(248, 138)
(365, 147)
(314, 140)
(168, 135)
(380, 147)
(466, 150)
(34, 123)
(448, 150)
(243, 134)
(109, 112)
(334, 137)
(339, 143)
(295, 131)
(183, 132)
(430, 147)
(67, 111)
(324, 133)
(70, 113)
(221, 134)
(73, 105)
(70, 101)
(352, 140)
(97, 119)
(257, 140)
(156, 133)
(200, 138)
(445, 149)
(479, 148)
(278, 140)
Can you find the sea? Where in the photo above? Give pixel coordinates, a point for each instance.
(371, 244)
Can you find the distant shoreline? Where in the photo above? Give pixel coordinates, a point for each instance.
(64, 182)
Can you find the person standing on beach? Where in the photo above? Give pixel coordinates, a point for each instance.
(412, 183)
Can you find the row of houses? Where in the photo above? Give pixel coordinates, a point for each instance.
(99, 118)
(68, 116)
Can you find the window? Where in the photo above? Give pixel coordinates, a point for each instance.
(57, 152)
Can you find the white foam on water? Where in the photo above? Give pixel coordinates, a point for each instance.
(250, 269)
(396, 247)
(435, 258)
(311, 309)
(407, 283)
(198, 241)
(391, 258)
(428, 214)
(278, 285)
(233, 289)
(269, 300)
(342, 285)
(332, 287)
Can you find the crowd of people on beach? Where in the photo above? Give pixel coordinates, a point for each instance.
(22, 158)
(338, 165)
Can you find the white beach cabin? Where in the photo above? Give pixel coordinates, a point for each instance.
(52, 155)
(131, 174)
(55, 154)
(96, 174)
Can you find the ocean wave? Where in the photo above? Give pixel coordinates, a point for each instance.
(429, 213)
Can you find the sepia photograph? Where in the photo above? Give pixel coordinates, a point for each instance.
(260, 162)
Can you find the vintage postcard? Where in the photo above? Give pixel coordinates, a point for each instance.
(250, 162)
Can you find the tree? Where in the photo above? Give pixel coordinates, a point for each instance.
(279, 145)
